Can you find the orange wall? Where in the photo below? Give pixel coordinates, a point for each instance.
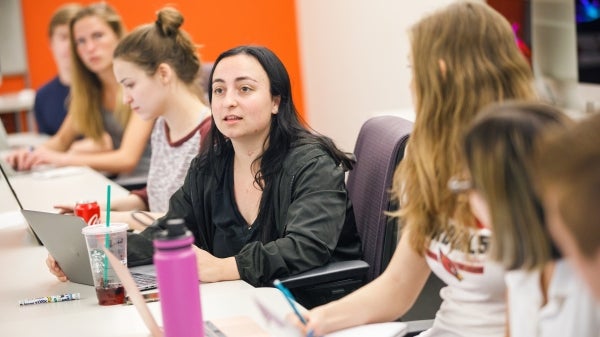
(216, 25)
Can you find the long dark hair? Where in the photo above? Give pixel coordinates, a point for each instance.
(287, 131)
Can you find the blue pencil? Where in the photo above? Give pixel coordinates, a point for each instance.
(290, 298)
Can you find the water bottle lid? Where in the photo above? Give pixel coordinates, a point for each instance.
(175, 229)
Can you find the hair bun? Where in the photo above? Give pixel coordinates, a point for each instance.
(168, 21)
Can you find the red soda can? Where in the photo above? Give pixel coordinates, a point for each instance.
(89, 211)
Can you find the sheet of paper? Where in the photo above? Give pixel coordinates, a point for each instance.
(390, 329)
(239, 326)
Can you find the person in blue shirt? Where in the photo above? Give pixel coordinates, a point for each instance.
(51, 104)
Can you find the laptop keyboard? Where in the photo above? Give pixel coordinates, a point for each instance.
(144, 281)
(210, 330)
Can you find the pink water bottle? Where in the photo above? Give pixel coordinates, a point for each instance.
(178, 285)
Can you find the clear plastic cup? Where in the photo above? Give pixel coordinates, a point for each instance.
(109, 288)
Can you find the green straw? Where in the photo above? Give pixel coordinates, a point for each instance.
(107, 236)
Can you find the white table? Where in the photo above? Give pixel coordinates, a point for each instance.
(24, 274)
(42, 190)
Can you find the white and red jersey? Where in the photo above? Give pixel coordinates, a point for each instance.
(473, 302)
(570, 309)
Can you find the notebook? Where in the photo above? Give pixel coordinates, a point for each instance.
(387, 329)
(61, 235)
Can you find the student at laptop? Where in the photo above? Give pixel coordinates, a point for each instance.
(96, 111)
(50, 105)
(545, 298)
(159, 61)
(464, 57)
(266, 197)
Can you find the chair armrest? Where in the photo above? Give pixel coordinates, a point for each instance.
(332, 271)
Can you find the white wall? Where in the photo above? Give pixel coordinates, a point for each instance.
(12, 42)
(353, 55)
(354, 61)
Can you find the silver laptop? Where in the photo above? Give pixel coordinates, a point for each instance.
(61, 235)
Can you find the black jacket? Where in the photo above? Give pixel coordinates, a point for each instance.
(313, 218)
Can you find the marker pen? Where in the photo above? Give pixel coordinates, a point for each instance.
(51, 299)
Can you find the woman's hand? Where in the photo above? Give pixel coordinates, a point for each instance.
(20, 159)
(214, 269)
(65, 209)
(43, 155)
(55, 269)
(316, 322)
(27, 159)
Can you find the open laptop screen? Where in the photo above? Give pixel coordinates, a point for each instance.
(12, 191)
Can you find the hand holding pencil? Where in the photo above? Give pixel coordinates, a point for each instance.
(292, 301)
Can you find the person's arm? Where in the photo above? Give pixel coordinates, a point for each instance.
(25, 159)
(214, 269)
(128, 203)
(385, 299)
(64, 137)
(124, 159)
(313, 222)
(88, 145)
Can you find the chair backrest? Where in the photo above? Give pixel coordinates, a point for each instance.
(206, 69)
(379, 148)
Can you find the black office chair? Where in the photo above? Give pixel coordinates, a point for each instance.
(378, 150)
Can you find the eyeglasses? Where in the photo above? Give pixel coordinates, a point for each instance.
(460, 185)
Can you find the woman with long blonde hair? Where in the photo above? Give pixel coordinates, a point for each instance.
(464, 57)
(118, 140)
